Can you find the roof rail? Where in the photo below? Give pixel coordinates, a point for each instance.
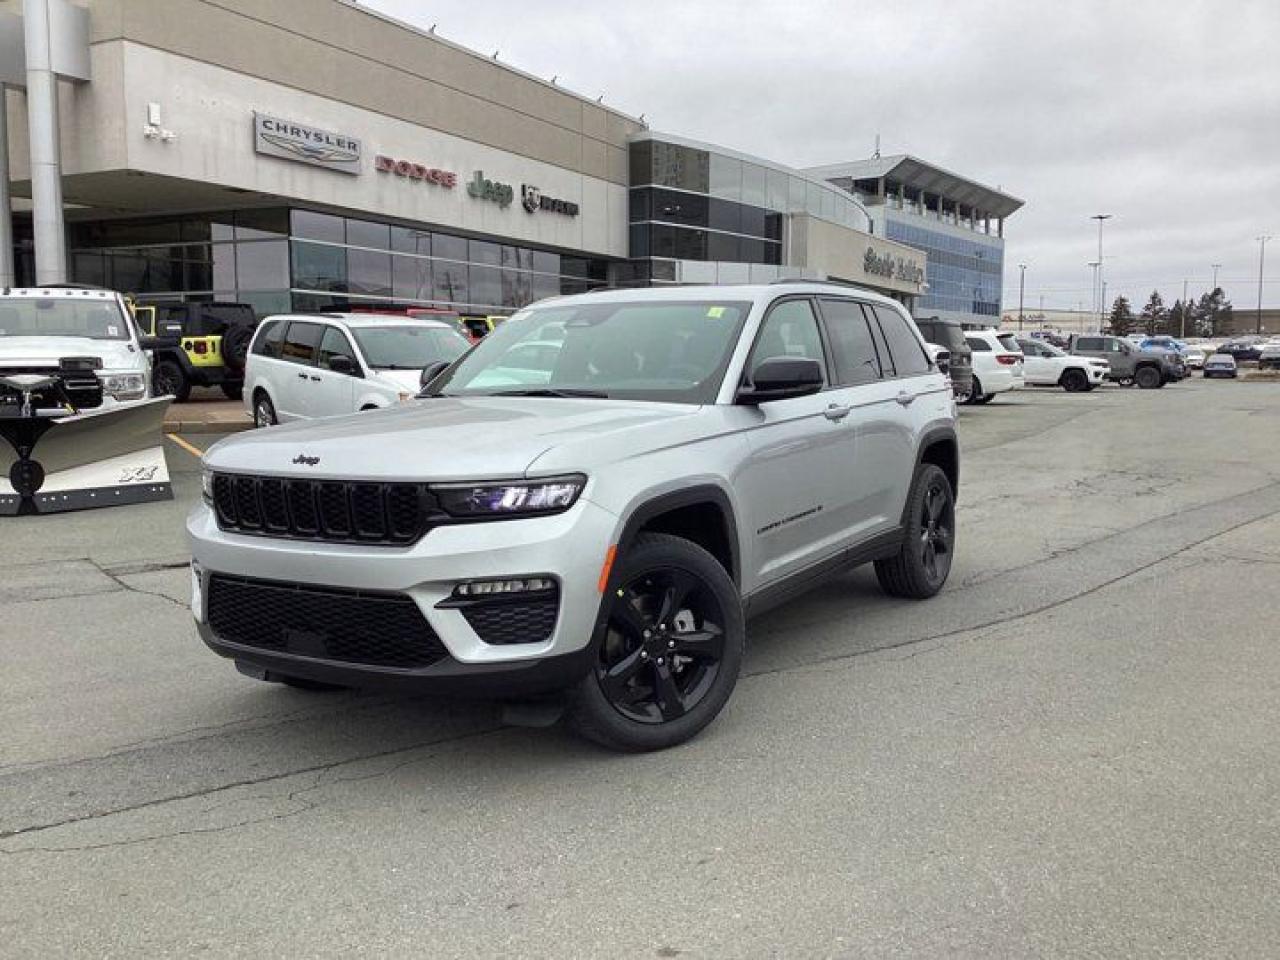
(829, 280)
(68, 286)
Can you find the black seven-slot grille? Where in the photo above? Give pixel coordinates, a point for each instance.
(342, 511)
(375, 629)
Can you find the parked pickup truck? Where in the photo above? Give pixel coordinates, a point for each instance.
(1129, 363)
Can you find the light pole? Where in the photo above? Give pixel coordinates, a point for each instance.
(1100, 217)
(1022, 288)
(1216, 268)
(1262, 255)
(1182, 335)
(1093, 294)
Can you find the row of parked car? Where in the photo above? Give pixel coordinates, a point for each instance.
(985, 363)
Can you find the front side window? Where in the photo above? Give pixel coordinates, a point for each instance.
(96, 319)
(673, 351)
(301, 341)
(403, 347)
(334, 343)
(790, 330)
(852, 348)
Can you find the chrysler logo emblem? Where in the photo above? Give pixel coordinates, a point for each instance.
(302, 458)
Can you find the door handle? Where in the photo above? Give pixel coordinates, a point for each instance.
(316, 379)
(836, 412)
(302, 376)
(906, 399)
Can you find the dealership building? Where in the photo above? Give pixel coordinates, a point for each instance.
(316, 155)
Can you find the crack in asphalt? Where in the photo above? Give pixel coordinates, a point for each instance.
(249, 782)
(106, 572)
(1011, 617)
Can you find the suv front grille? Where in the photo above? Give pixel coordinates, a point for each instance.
(337, 511)
(375, 629)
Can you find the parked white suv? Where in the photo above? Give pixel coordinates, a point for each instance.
(321, 365)
(997, 364)
(595, 515)
(1044, 365)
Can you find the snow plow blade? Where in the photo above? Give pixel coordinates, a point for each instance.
(100, 458)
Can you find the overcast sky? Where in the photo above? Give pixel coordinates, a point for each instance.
(1165, 114)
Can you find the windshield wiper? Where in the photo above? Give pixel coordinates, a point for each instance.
(550, 392)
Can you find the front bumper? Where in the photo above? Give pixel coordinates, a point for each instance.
(569, 547)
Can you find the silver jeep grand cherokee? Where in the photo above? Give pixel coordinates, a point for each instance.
(589, 503)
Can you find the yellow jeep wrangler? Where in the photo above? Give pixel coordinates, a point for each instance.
(197, 345)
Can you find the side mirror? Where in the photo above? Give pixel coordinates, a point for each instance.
(148, 343)
(341, 363)
(780, 378)
(431, 371)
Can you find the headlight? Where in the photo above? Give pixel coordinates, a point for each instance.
(509, 499)
(124, 386)
(206, 485)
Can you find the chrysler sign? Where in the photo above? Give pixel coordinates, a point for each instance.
(288, 140)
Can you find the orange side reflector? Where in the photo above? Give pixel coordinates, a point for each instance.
(608, 565)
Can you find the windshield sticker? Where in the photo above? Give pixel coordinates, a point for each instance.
(715, 312)
(113, 330)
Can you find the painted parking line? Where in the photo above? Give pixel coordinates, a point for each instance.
(191, 448)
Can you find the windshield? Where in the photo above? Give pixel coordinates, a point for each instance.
(97, 319)
(671, 351)
(408, 348)
(1051, 350)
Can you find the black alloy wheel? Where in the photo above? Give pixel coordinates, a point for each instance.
(671, 651)
(168, 380)
(920, 568)
(663, 649)
(1074, 381)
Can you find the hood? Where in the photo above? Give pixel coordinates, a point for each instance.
(115, 354)
(446, 438)
(407, 381)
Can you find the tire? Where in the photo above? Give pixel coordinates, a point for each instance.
(170, 379)
(985, 398)
(1148, 378)
(620, 703)
(920, 568)
(264, 411)
(1074, 381)
(235, 347)
(233, 391)
(975, 393)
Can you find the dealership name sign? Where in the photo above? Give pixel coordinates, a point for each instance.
(274, 137)
(891, 267)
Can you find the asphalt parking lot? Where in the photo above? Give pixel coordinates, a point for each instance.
(1071, 752)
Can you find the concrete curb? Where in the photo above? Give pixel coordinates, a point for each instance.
(206, 426)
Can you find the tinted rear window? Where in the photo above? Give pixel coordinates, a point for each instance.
(1009, 342)
(909, 358)
(1089, 343)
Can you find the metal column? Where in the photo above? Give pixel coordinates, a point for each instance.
(46, 157)
(7, 276)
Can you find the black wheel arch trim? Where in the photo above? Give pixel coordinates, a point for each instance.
(928, 438)
(656, 506)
